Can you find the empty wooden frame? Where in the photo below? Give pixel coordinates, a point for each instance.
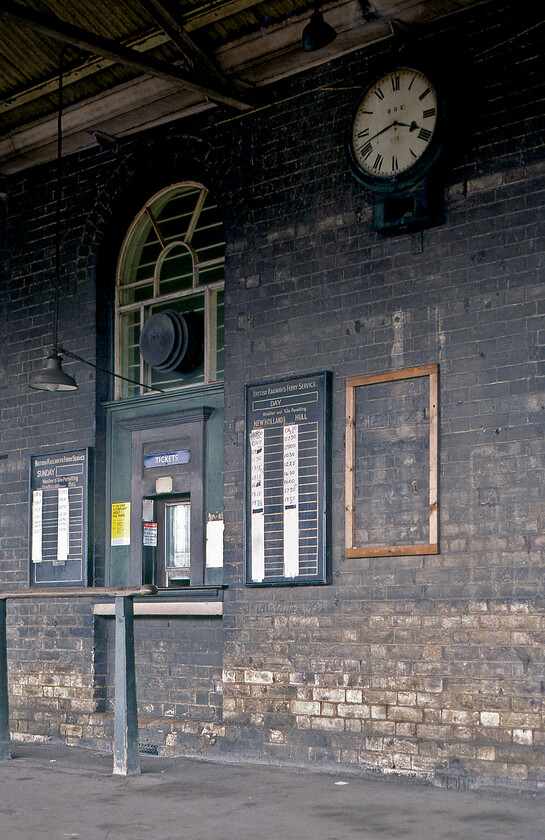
(352, 550)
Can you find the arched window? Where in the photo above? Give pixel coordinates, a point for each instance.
(171, 262)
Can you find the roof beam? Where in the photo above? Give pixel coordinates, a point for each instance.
(52, 27)
(168, 18)
(216, 10)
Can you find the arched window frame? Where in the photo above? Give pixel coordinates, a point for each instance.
(209, 291)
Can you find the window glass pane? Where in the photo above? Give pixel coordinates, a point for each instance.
(211, 274)
(176, 272)
(129, 329)
(174, 217)
(219, 335)
(135, 294)
(177, 556)
(207, 238)
(190, 303)
(141, 254)
(177, 536)
(147, 258)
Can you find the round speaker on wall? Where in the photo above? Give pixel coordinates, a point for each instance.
(172, 341)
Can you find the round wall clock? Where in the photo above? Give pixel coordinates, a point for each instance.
(395, 133)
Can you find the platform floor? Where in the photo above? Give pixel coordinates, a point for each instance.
(54, 792)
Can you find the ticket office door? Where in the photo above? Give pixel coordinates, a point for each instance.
(169, 526)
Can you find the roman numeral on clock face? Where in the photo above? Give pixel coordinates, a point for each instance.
(429, 112)
(366, 150)
(378, 163)
(379, 93)
(395, 83)
(424, 134)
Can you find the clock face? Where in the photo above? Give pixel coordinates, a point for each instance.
(394, 124)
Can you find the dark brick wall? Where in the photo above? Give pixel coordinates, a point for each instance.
(419, 664)
(51, 668)
(422, 664)
(179, 671)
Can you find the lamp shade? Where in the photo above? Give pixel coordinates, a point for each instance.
(317, 33)
(53, 378)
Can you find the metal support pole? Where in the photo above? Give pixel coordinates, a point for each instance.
(126, 756)
(4, 704)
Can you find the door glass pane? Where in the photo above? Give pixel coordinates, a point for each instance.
(177, 540)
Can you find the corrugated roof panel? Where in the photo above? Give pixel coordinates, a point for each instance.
(114, 19)
(259, 17)
(29, 59)
(25, 55)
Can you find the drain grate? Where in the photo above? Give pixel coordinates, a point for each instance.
(148, 749)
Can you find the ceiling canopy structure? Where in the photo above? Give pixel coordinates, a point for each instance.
(132, 65)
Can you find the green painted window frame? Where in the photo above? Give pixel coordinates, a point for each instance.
(178, 230)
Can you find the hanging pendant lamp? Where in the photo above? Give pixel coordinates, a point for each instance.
(317, 33)
(53, 378)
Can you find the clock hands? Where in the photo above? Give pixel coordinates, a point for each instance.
(412, 127)
(388, 127)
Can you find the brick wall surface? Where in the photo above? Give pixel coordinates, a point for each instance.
(51, 669)
(179, 667)
(423, 664)
(428, 665)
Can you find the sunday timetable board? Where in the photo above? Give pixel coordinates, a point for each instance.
(58, 518)
(287, 478)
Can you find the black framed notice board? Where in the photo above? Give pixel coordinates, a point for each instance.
(59, 518)
(287, 481)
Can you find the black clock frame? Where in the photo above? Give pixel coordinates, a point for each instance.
(409, 178)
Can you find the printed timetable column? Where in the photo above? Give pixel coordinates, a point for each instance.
(286, 480)
(257, 440)
(291, 501)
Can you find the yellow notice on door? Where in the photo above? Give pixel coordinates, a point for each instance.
(121, 523)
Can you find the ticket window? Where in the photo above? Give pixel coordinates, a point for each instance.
(167, 512)
(176, 547)
(167, 542)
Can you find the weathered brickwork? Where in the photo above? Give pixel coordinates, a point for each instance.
(448, 689)
(429, 665)
(51, 669)
(179, 668)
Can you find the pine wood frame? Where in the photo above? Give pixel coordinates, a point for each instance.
(432, 371)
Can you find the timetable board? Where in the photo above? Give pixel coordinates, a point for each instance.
(287, 475)
(59, 488)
